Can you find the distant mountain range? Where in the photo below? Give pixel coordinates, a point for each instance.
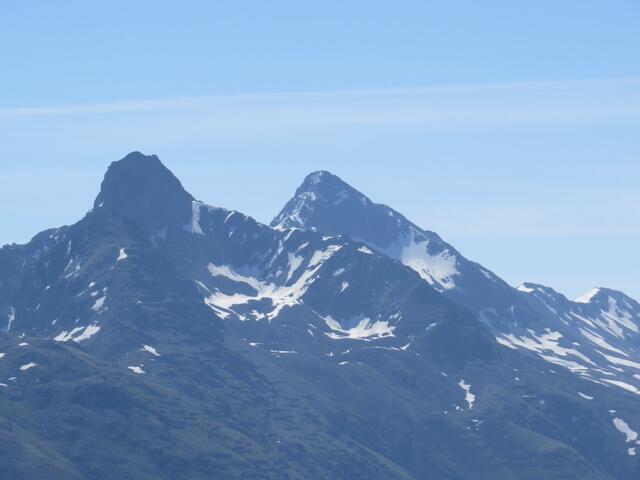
(163, 338)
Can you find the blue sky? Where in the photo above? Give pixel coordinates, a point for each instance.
(510, 128)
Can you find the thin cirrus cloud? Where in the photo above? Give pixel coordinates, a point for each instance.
(578, 100)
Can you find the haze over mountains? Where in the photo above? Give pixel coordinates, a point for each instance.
(160, 337)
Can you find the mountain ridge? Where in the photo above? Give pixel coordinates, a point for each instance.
(520, 318)
(198, 343)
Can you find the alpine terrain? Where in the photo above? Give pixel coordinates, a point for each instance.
(163, 338)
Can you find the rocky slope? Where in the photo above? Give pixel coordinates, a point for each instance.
(160, 337)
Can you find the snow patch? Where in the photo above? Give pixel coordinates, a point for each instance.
(547, 342)
(362, 329)
(568, 364)
(621, 361)
(586, 297)
(623, 385)
(65, 336)
(137, 370)
(430, 326)
(624, 428)
(150, 349)
(98, 306)
(469, 397)
(27, 366)
(599, 341)
(618, 318)
(122, 255)
(506, 343)
(294, 263)
(195, 218)
(488, 275)
(280, 296)
(437, 269)
(11, 317)
(87, 332)
(525, 289)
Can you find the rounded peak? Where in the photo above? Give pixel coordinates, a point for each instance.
(138, 161)
(531, 287)
(134, 170)
(137, 155)
(140, 187)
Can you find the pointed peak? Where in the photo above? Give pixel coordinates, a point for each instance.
(328, 186)
(140, 187)
(587, 297)
(319, 194)
(326, 203)
(604, 295)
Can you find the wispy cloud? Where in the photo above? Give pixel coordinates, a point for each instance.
(418, 103)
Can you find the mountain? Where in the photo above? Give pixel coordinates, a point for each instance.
(598, 334)
(160, 337)
(596, 337)
(325, 203)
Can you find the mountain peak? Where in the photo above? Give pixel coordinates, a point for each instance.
(140, 187)
(316, 176)
(323, 177)
(604, 296)
(545, 294)
(138, 157)
(328, 187)
(529, 287)
(588, 296)
(319, 195)
(326, 203)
